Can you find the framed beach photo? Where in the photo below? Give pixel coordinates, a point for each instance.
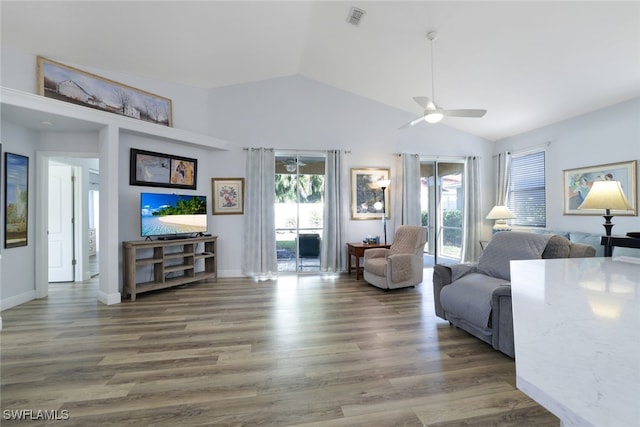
(151, 169)
(68, 84)
(366, 195)
(228, 196)
(577, 183)
(16, 200)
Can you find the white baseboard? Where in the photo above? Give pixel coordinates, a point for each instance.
(109, 299)
(230, 273)
(17, 300)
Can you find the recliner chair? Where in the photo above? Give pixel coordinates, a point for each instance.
(401, 265)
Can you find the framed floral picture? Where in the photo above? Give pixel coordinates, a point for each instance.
(366, 195)
(228, 196)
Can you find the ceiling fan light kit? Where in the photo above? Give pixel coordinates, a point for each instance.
(433, 117)
(432, 113)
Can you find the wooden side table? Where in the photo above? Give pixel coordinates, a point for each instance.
(357, 250)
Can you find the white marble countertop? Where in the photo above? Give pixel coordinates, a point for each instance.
(577, 338)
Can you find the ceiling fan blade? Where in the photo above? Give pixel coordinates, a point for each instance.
(425, 102)
(464, 113)
(412, 123)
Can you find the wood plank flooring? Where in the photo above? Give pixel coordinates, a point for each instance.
(300, 351)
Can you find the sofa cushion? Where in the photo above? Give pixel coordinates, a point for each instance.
(557, 247)
(510, 245)
(589, 239)
(377, 266)
(469, 297)
(564, 234)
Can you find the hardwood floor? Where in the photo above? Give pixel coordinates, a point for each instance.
(297, 351)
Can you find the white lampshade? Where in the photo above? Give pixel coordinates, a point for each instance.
(383, 183)
(500, 212)
(605, 195)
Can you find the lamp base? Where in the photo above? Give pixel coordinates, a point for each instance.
(501, 225)
(608, 225)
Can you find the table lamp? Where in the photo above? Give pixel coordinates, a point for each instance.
(383, 184)
(500, 213)
(606, 195)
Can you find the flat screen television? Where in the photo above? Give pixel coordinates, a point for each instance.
(172, 215)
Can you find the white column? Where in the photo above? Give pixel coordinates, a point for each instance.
(108, 141)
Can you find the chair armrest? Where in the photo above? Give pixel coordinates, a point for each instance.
(502, 320)
(376, 253)
(441, 278)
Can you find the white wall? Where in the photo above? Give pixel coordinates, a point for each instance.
(299, 113)
(19, 71)
(129, 195)
(18, 272)
(609, 135)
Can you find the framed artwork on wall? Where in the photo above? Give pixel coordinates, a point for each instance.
(577, 183)
(162, 170)
(68, 84)
(16, 200)
(228, 196)
(366, 195)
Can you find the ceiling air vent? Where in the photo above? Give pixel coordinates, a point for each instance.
(355, 16)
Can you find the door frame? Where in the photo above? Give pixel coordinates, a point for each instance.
(435, 235)
(42, 218)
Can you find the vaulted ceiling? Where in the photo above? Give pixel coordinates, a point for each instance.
(528, 63)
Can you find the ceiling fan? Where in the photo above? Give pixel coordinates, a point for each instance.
(291, 165)
(432, 112)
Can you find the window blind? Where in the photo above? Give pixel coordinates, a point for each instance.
(526, 196)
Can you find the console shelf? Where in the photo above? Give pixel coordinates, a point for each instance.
(169, 262)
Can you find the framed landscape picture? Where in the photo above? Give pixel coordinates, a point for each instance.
(151, 169)
(16, 200)
(68, 84)
(228, 196)
(366, 195)
(577, 183)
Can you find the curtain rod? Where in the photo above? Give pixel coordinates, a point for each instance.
(435, 157)
(295, 150)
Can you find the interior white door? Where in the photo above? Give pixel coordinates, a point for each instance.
(61, 268)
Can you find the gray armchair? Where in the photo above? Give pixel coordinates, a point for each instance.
(399, 266)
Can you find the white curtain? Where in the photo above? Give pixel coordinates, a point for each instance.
(407, 185)
(471, 216)
(502, 185)
(259, 260)
(336, 193)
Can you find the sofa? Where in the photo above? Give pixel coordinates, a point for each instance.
(476, 297)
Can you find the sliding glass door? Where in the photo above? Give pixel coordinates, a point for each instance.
(441, 200)
(299, 211)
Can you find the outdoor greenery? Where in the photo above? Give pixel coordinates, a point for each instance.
(194, 205)
(452, 232)
(452, 226)
(311, 188)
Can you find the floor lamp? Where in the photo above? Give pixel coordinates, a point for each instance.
(606, 195)
(383, 184)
